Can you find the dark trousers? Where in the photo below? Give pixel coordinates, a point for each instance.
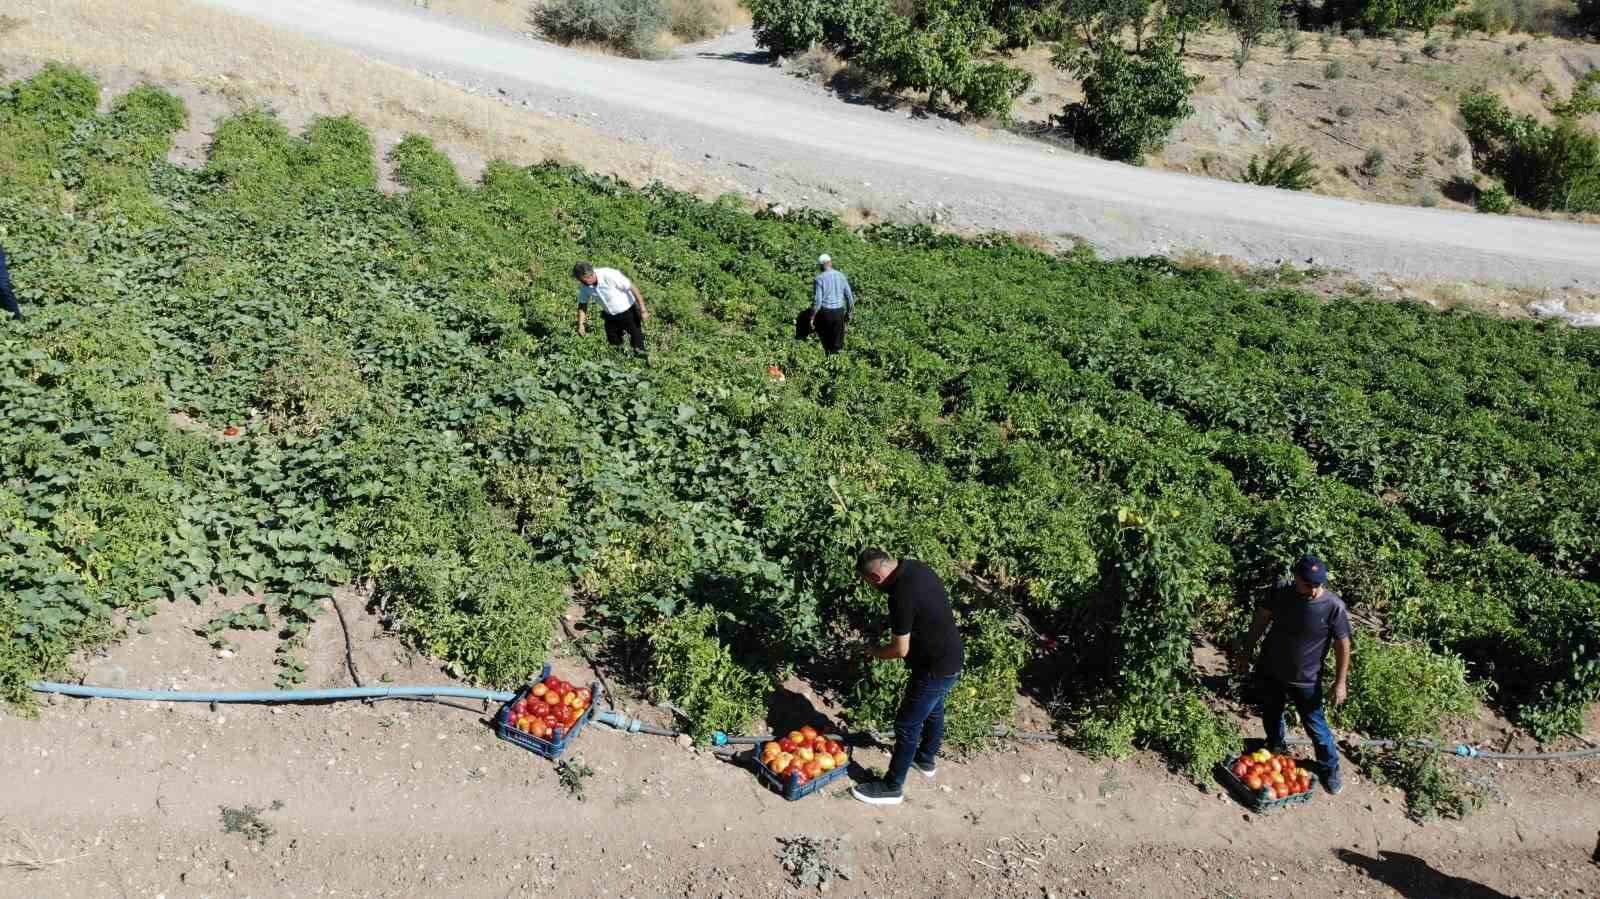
(830, 328)
(1275, 695)
(919, 725)
(625, 322)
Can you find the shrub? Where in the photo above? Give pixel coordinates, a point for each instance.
(698, 673)
(1545, 166)
(458, 582)
(1334, 70)
(1372, 163)
(1402, 691)
(692, 20)
(1355, 36)
(628, 26)
(1130, 105)
(418, 165)
(1345, 111)
(1286, 167)
(1432, 48)
(1588, 17)
(1434, 787)
(1405, 56)
(1293, 38)
(1325, 40)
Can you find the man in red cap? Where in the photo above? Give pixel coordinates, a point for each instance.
(1305, 618)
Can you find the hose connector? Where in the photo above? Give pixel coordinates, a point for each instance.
(1469, 752)
(719, 738)
(618, 720)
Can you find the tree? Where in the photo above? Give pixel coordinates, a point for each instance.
(1129, 104)
(1250, 19)
(1184, 17)
(1588, 17)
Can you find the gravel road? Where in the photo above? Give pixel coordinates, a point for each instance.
(787, 141)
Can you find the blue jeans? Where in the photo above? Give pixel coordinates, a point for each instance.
(1275, 695)
(919, 725)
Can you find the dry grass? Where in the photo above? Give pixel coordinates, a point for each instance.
(512, 15)
(1398, 100)
(217, 62)
(25, 855)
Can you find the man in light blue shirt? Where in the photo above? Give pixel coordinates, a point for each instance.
(832, 304)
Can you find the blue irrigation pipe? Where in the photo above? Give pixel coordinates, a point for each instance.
(329, 695)
(630, 724)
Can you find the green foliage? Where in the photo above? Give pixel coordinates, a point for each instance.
(939, 48)
(695, 670)
(1251, 20)
(984, 696)
(1286, 167)
(1381, 16)
(1334, 70)
(414, 408)
(1130, 105)
(1588, 17)
(1545, 166)
(1372, 163)
(629, 26)
(1434, 787)
(1402, 691)
(1493, 200)
(419, 166)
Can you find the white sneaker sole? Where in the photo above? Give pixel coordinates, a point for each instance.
(876, 800)
(928, 774)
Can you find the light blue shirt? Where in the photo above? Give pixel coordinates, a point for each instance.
(831, 290)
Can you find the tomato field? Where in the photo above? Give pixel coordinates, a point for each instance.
(267, 378)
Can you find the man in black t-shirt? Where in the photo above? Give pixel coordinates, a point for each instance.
(923, 632)
(1306, 618)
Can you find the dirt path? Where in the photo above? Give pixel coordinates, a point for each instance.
(793, 143)
(396, 798)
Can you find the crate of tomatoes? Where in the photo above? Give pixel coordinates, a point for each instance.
(801, 762)
(546, 716)
(1264, 781)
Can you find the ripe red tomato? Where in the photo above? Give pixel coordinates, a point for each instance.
(538, 690)
(812, 769)
(1288, 763)
(787, 745)
(809, 732)
(1240, 770)
(1253, 782)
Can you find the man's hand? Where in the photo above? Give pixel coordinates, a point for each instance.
(1340, 693)
(583, 326)
(644, 314)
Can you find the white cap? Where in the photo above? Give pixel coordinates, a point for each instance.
(824, 258)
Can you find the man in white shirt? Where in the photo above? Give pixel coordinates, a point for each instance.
(621, 304)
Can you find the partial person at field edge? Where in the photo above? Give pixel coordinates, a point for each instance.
(8, 297)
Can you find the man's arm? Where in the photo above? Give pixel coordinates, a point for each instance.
(1246, 650)
(1341, 661)
(583, 314)
(897, 648)
(849, 299)
(644, 314)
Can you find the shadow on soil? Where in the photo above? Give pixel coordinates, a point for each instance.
(1416, 879)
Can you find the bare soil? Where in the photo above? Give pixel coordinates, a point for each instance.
(107, 798)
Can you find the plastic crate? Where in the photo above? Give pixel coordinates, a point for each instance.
(550, 749)
(785, 786)
(1253, 800)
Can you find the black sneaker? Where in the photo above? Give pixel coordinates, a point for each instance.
(877, 793)
(928, 770)
(1333, 783)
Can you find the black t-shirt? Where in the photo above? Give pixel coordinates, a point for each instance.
(1302, 630)
(919, 606)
